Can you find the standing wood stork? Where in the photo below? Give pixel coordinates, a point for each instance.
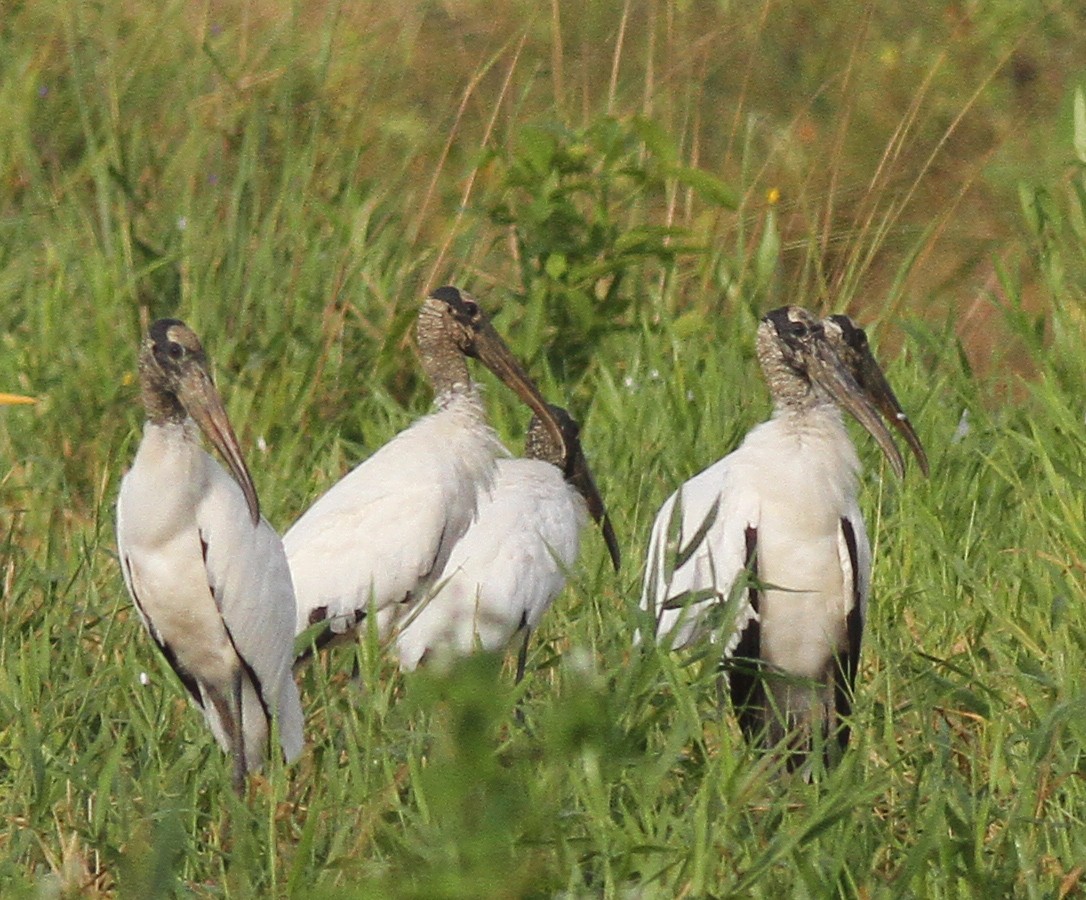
(207, 574)
(783, 508)
(504, 574)
(379, 536)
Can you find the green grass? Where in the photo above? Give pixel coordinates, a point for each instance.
(290, 179)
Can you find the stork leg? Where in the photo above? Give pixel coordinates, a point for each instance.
(845, 665)
(229, 710)
(798, 737)
(522, 655)
(240, 764)
(522, 662)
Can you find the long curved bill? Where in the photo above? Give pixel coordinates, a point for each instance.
(490, 350)
(873, 382)
(203, 403)
(580, 476)
(14, 399)
(830, 372)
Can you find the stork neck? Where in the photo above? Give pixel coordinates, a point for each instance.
(448, 373)
(818, 412)
(161, 405)
(794, 395)
(801, 399)
(463, 397)
(442, 360)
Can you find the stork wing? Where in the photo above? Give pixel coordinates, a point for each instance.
(697, 548)
(381, 534)
(856, 562)
(250, 581)
(508, 568)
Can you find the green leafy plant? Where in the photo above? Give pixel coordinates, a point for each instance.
(581, 208)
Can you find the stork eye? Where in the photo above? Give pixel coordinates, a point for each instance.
(169, 352)
(471, 308)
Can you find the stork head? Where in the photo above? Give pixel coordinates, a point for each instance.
(852, 346)
(452, 327)
(808, 362)
(569, 457)
(175, 380)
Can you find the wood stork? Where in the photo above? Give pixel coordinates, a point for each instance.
(206, 573)
(504, 574)
(783, 507)
(379, 536)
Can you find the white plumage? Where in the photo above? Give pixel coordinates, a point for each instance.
(385, 530)
(792, 484)
(783, 506)
(207, 574)
(505, 573)
(381, 535)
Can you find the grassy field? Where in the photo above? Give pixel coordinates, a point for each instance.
(628, 189)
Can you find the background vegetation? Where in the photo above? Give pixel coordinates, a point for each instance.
(627, 186)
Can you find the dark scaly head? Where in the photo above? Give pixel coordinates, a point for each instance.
(804, 369)
(786, 340)
(445, 332)
(175, 382)
(568, 456)
(451, 327)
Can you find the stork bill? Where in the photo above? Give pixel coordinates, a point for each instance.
(507, 570)
(206, 572)
(379, 537)
(770, 540)
(15, 399)
(852, 347)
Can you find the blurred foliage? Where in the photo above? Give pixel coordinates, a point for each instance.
(579, 206)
